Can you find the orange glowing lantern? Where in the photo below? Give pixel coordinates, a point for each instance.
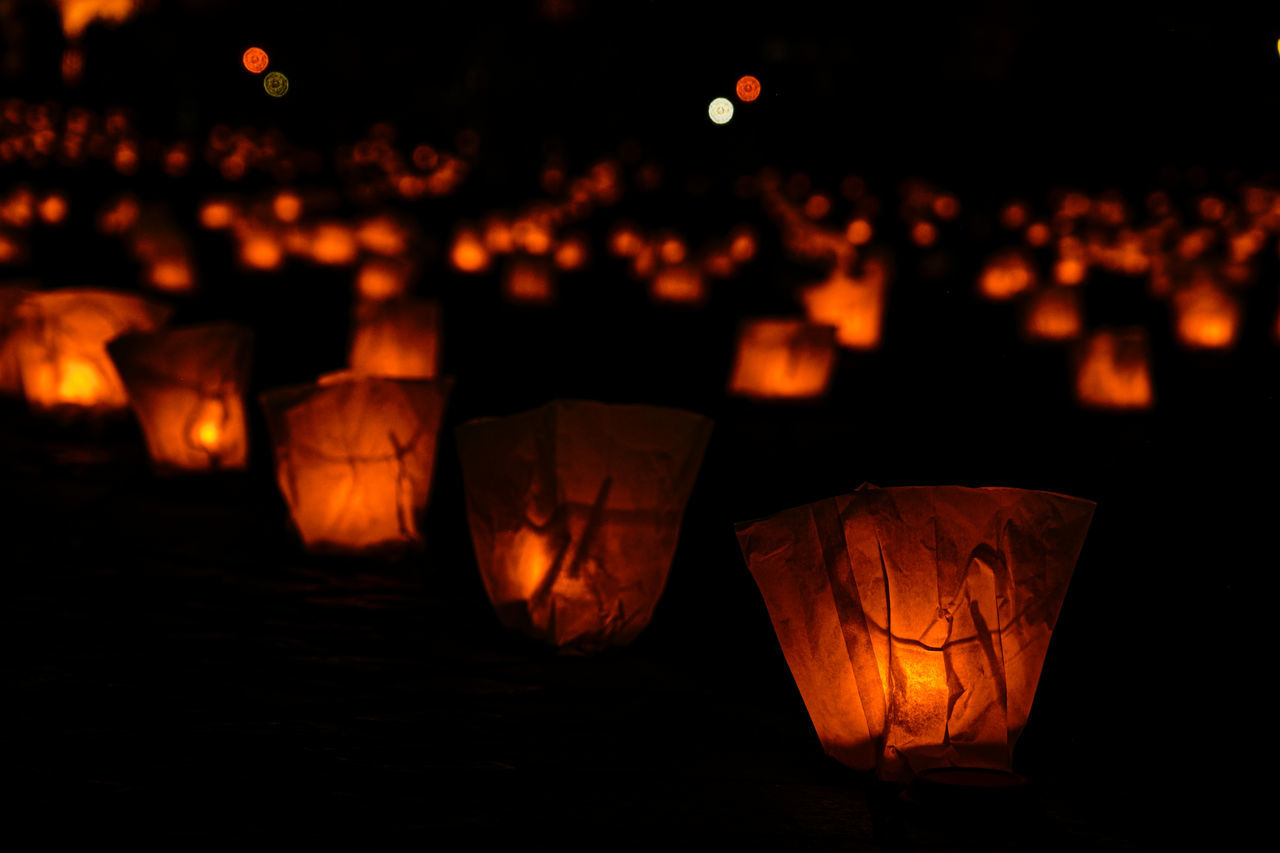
(61, 345)
(575, 511)
(679, 283)
(354, 458)
(382, 278)
(854, 306)
(10, 322)
(186, 387)
(915, 621)
(748, 88)
(255, 60)
(469, 253)
(528, 280)
(1112, 371)
(783, 359)
(397, 338)
(1006, 275)
(1207, 317)
(333, 243)
(1054, 315)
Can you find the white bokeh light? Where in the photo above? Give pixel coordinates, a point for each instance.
(721, 110)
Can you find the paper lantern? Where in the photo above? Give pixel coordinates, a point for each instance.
(354, 458)
(853, 305)
(575, 510)
(678, 283)
(10, 368)
(916, 620)
(1053, 314)
(528, 280)
(186, 387)
(1207, 317)
(1112, 371)
(399, 338)
(783, 358)
(61, 346)
(1006, 275)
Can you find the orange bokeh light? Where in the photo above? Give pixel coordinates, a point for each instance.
(783, 359)
(1006, 275)
(1112, 371)
(1207, 317)
(468, 253)
(255, 60)
(1054, 315)
(748, 88)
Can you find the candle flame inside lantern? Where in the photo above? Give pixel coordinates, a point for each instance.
(80, 383)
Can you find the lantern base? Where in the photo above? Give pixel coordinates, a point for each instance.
(966, 787)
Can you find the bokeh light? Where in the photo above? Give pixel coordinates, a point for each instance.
(721, 110)
(255, 59)
(276, 84)
(748, 88)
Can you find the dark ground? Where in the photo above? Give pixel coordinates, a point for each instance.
(177, 667)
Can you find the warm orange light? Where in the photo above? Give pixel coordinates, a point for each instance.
(468, 253)
(286, 206)
(172, 274)
(119, 217)
(78, 14)
(817, 206)
(382, 235)
(680, 283)
(260, 250)
(858, 232)
(946, 206)
(399, 339)
(72, 65)
(53, 209)
(255, 60)
(782, 359)
(1038, 234)
(924, 233)
(1054, 315)
(333, 243)
(671, 250)
(1112, 372)
(207, 435)
(1207, 317)
(571, 254)
(380, 278)
(1013, 215)
(853, 305)
(528, 280)
(742, 246)
(748, 88)
(625, 242)
(217, 214)
(1006, 275)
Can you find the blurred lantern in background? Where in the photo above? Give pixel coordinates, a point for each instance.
(678, 283)
(186, 387)
(354, 457)
(382, 278)
(575, 510)
(1207, 317)
(396, 338)
(915, 621)
(528, 280)
(1006, 275)
(61, 345)
(855, 306)
(1053, 314)
(782, 358)
(1112, 370)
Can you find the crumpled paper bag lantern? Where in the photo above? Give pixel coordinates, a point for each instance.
(783, 359)
(61, 347)
(186, 387)
(10, 369)
(916, 620)
(398, 338)
(574, 510)
(354, 457)
(854, 305)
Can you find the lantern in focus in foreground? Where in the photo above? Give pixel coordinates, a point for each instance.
(61, 345)
(853, 305)
(916, 620)
(783, 358)
(575, 510)
(186, 387)
(397, 338)
(1112, 371)
(354, 457)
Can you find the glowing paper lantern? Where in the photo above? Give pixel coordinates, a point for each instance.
(10, 322)
(916, 620)
(679, 283)
(854, 306)
(1112, 371)
(186, 387)
(397, 338)
(1207, 317)
(354, 458)
(783, 358)
(528, 280)
(575, 511)
(1007, 275)
(1054, 314)
(61, 346)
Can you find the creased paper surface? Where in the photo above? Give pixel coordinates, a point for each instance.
(916, 620)
(575, 510)
(354, 457)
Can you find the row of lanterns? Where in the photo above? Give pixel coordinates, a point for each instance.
(914, 620)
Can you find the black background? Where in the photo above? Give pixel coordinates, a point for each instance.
(180, 666)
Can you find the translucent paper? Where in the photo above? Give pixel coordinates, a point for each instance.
(574, 510)
(61, 345)
(397, 338)
(186, 387)
(783, 358)
(916, 620)
(354, 458)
